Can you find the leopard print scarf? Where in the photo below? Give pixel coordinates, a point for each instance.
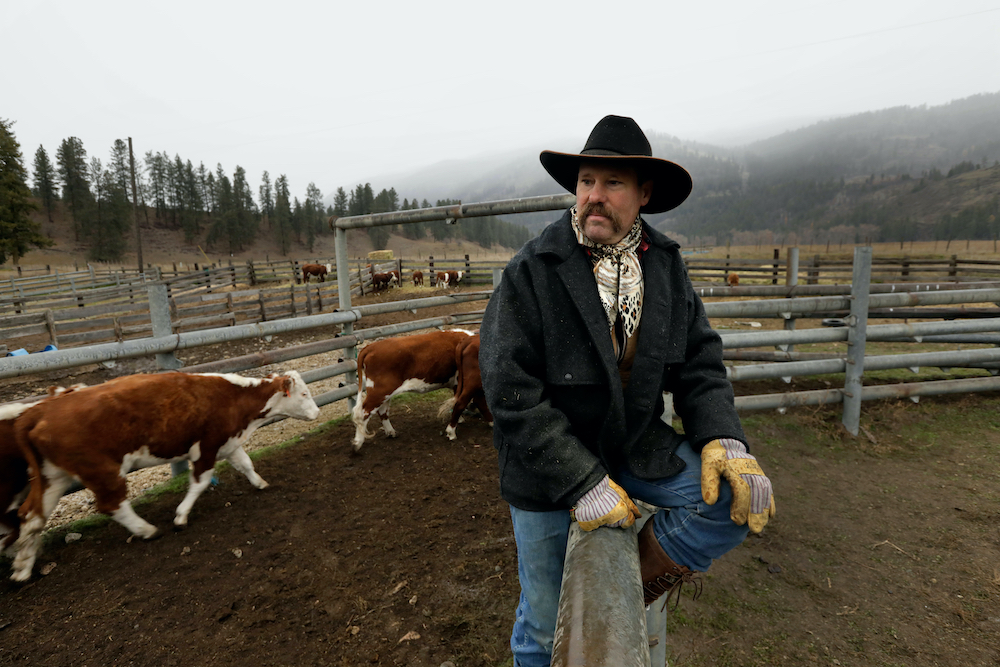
(619, 277)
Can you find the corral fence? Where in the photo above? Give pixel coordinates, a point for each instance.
(818, 269)
(790, 303)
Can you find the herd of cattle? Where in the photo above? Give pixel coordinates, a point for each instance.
(442, 279)
(381, 281)
(96, 435)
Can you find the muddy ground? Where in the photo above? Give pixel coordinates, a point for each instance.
(885, 551)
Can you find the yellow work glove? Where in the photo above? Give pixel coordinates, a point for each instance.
(753, 499)
(607, 504)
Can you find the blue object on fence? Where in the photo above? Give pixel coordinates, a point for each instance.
(50, 348)
(17, 353)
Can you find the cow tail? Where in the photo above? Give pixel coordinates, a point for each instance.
(358, 414)
(34, 459)
(448, 406)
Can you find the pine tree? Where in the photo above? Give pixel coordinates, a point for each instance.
(157, 169)
(340, 203)
(71, 161)
(244, 230)
(45, 181)
(119, 164)
(312, 214)
(266, 198)
(298, 220)
(224, 220)
(17, 230)
(282, 214)
(106, 222)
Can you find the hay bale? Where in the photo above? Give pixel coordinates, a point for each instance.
(381, 255)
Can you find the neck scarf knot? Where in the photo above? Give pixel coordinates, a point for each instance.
(619, 276)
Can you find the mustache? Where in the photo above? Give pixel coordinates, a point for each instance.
(599, 209)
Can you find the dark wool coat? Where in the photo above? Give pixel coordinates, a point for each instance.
(562, 420)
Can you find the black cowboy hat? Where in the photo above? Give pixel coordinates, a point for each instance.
(617, 138)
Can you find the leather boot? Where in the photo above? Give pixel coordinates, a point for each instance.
(660, 574)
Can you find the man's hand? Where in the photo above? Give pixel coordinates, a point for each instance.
(753, 499)
(607, 504)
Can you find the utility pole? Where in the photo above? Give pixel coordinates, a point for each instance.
(135, 204)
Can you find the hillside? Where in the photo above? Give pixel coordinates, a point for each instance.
(165, 246)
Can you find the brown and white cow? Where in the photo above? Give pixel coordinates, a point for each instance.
(14, 469)
(380, 281)
(98, 434)
(448, 278)
(468, 387)
(392, 366)
(418, 278)
(733, 279)
(394, 280)
(13, 475)
(318, 270)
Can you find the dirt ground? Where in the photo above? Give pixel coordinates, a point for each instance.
(884, 552)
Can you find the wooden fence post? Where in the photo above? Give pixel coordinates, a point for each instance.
(50, 324)
(953, 268)
(430, 269)
(775, 264)
(251, 274)
(292, 287)
(905, 274)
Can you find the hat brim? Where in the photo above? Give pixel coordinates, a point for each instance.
(671, 182)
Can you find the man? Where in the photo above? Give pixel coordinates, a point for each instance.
(592, 322)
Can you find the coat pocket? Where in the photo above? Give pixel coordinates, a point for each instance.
(654, 454)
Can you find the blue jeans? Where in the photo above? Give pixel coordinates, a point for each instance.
(691, 533)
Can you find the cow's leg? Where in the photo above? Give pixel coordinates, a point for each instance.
(35, 511)
(484, 409)
(200, 481)
(135, 524)
(27, 545)
(10, 523)
(360, 416)
(240, 460)
(111, 494)
(461, 403)
(383, 413)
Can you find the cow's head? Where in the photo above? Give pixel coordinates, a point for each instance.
(292, 397)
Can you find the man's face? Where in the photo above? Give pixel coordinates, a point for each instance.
(608, 199)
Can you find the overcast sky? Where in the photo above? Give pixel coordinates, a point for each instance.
(339, 93)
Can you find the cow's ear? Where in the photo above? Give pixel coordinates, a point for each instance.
(286, 385)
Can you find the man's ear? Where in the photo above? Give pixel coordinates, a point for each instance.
(647, 192)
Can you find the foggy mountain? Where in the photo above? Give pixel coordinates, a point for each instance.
(821, 176)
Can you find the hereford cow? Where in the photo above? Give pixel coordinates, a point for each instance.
(98, 434)
(315, 270)
(380, 281)
(733, 279)
(394, 280)
(14, 470)
(13, 475)
(468, 386)
(418, 278)
(392, 366)
(448, 278)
